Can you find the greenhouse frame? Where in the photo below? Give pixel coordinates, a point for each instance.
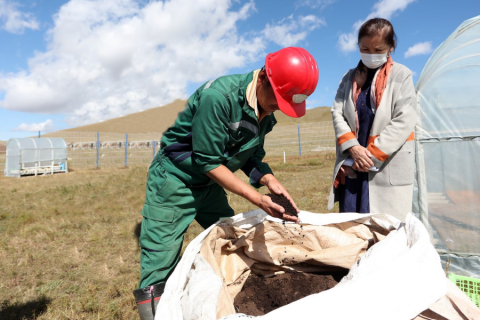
(447, 186)
(34, 156)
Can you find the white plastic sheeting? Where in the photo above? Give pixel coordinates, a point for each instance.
(397, 278)
(447, 189)
(35, 156)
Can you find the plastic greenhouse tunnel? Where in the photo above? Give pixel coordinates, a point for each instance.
(34, 156)
(447, 186)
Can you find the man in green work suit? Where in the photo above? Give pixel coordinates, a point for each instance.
(221, 130)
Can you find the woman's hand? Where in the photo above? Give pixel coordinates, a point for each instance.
(347, 172)
(361, 158)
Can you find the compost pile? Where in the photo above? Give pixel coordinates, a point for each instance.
(284, 202)
(261, 295)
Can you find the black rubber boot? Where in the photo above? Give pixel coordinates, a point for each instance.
(147, 300)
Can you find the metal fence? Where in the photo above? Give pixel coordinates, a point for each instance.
(298, 140)
(103, 149)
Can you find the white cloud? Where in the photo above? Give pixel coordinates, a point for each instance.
(419, 49)
(322, 4)
(289, 31)
(111, 57)
(347, 42)
(34, 127)
(15, 21)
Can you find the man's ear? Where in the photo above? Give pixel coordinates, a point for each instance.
(262, 77)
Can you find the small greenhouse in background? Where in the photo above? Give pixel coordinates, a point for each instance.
(447, 189)
(34, 156)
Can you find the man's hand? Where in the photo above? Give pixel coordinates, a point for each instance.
(361, 158)
(225, 178)
(274, 210)
(276, 187)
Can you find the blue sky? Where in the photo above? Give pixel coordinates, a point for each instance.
(68, 63)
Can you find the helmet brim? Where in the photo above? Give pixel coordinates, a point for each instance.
(294, 110)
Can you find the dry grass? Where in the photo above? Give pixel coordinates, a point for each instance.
(68, 245)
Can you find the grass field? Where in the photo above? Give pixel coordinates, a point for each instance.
(69, 246)
(82, 147)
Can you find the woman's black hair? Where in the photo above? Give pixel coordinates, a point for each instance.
(377, 26)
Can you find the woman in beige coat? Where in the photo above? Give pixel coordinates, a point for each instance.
(374, 118)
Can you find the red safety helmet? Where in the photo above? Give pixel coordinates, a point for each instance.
(293, 74)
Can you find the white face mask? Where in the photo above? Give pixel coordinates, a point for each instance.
(373, 61)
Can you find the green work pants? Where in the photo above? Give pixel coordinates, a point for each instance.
(170, 207)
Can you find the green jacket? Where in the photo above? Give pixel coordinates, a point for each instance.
(217, 127)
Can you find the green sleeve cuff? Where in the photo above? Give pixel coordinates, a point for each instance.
(257, 173)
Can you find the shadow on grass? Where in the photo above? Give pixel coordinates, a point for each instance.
(136, 231)
(28, 310)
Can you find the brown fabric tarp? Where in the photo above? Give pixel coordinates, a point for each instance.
(270, 247)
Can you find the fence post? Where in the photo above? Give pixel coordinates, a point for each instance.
(153, 145)
(98, 145)
(126, 146)
(299, 142)
(38, 134)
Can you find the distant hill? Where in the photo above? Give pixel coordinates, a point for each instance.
(152, 120)
(160, 118)
(313, 115)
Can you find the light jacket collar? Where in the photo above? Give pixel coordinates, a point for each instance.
(251, 93)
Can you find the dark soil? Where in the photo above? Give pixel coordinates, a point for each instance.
(284, 202)
(261, 295)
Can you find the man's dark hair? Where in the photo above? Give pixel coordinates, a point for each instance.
(378, 26)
